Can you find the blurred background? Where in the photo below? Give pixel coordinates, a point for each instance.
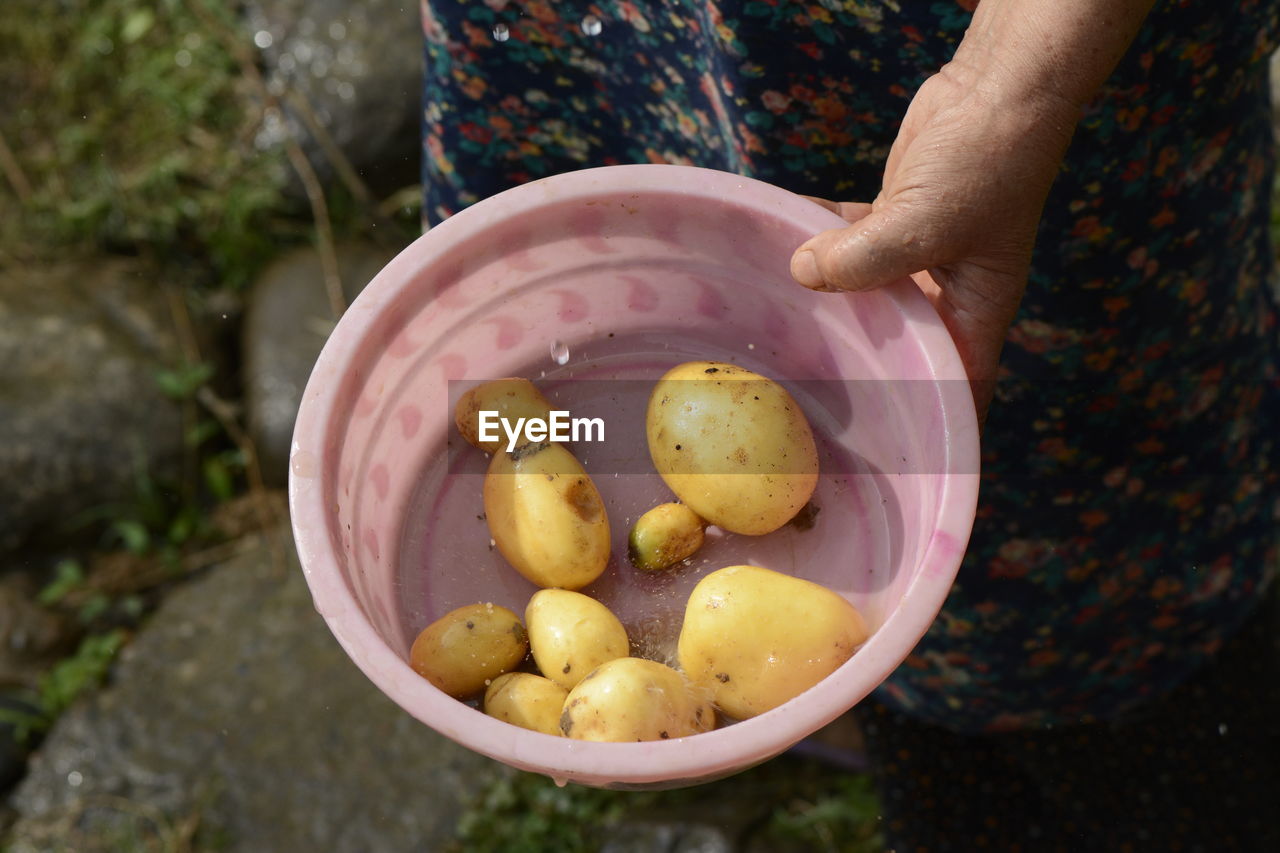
(191, 191)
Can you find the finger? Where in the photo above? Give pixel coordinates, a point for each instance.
(978, 330)
(979, 348)
(883, 246)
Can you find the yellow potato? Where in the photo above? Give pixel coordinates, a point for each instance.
(546, 517)
(756, 638)
(510, 398)
(733, 445)
(571, 634)
(526, 700)
(631, 699)
(664, 536)
(466, 648)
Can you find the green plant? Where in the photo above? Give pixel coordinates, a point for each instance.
(182, 382)
(783, 805)
(525, 813)
(68, 575)
(73, 675)
(132, 129)
(839, 818)
(65, 681)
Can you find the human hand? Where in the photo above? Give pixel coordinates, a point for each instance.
(962, 194)
(968, 175)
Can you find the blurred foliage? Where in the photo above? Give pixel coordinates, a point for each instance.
(841, 816)
(783, 805)
(66, 680)
(82, 670)
(131, 129)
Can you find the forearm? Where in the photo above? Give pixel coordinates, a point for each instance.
(1048, 51)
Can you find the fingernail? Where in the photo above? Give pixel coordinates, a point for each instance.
(804, 269)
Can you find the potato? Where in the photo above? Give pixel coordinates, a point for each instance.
(630, 699)
(707, 420)
(510, 398)
(664, 536)
(466, 648)
(546, 517)
(526, 700)
(571, 634)
(756, 638)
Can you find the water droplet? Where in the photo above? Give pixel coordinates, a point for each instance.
(501, 32)
(560, 781)
(74, 778)
(560, 352)
(751, 346)
(591, 25)
(304, 464)
(263, 39)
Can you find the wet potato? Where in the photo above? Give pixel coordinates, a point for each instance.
(633, 699)
(665, 535)
(733, 446)
(756, 638)
(570, 634)
(512, 399)
(546, 516)
(465, 649)
(526, 700)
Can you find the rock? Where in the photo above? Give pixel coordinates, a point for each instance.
(235, 715)
(358, 64)
(287, 321)
(81, 412)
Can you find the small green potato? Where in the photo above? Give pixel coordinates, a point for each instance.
(756, 638)
(526, 700)
(512, 399)
(546, 516)
(633, 699)
(465, 649)
(733, 446)
(664, 536)
(570, 634)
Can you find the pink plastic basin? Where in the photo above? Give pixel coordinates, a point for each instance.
(592, 284)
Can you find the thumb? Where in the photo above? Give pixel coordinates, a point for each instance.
(884, 246)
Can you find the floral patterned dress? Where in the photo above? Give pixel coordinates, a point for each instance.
(1128, 519)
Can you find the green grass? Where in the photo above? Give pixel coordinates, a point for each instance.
(133, 131)
(784, 805)
(64, 682)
